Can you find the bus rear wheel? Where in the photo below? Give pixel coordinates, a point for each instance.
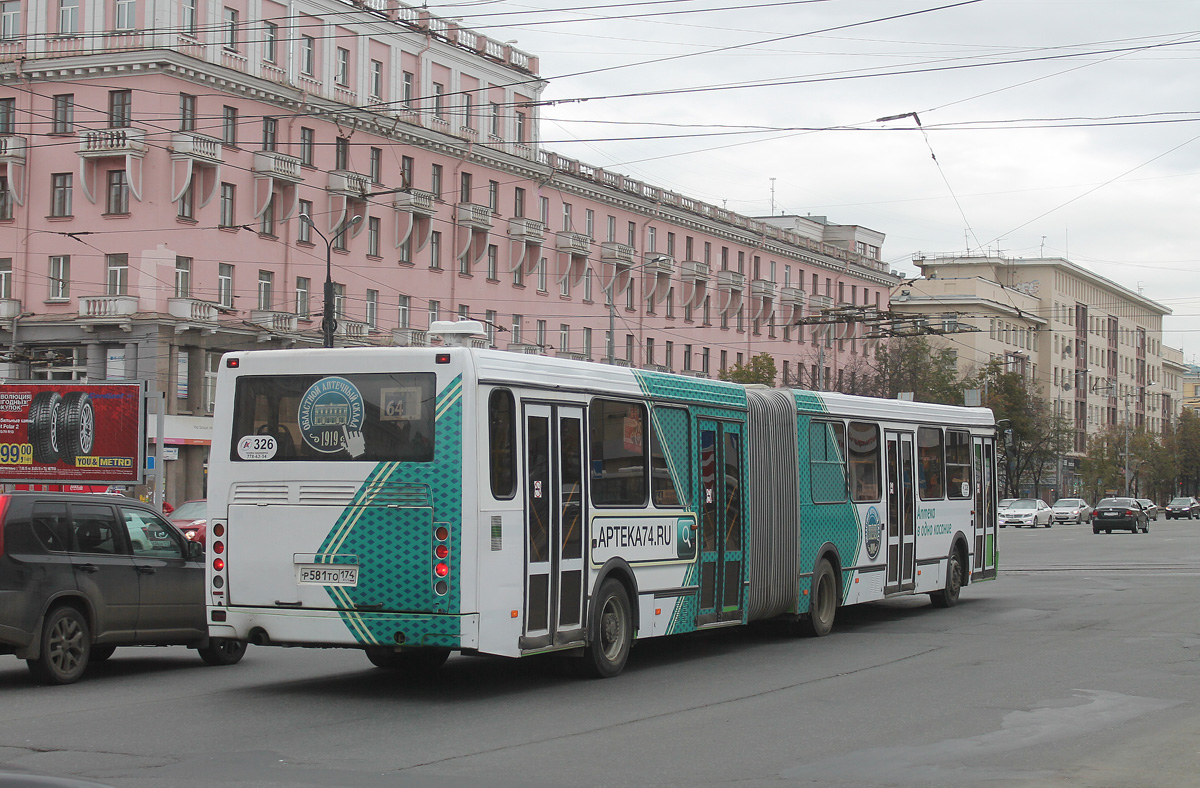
(425, 660)
(822, 608)
(948, 596)
(610, 632)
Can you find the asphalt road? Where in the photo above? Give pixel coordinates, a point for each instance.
(1080, 666)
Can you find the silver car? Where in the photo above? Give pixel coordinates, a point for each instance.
(1027, 511)
(1071, 510)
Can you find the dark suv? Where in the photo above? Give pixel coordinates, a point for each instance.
(82, 574)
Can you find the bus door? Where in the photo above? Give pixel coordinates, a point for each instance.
(722, 523)
(984, 564)
(901, 513)
(554, 525)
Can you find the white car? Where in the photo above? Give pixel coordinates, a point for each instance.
(1071, 510)
(1027, 511)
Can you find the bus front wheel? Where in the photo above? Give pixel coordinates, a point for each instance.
(822, 608)
(948, 596)
(610, 631)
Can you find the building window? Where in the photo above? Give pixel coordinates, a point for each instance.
(270, 42)
(403, 311)
(516, 329)
(6, 277)
(120, 109)
(183, 277)
(520, 127)
(405, 251)
(225, 284)
(308, 55)
(60, 199)
(118, 274)
(494, 196)
(118, 192)
(439, 103)
(541, 275)
(266, 280)
(376, 79)
(406, 171)
(64, 113)
(435, 309)
(541, 333)
(566, 217)
(406, 89)
(376, 165)
(60, 277)
(125, 17)
(341, 74)
(307, 146)
(187, 112)
(468, 120)
(228, 190)
(68, 17)
(495, 120)
(302, 287)
(491, 262)
(435, 182)
(373, 236)
(519, 202)
(266, 224)
(270, 133)
(6, 200)
(435, 250)
(464, 191)
(230, 29)
(587, 343)
(464, 264)
(544, 210)
(8, 116)
(372, 311)
(519, 275)
(341, 153)
(187, 204)
(229, 126)
(489, 326)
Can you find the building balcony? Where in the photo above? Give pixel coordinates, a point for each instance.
(192, 309)
(571, 354)
(273, 164)
(791, 297)
(410, 337)
(576, 244)
(10, 308)
(658, 263)
(281, 322)
(527, 230)
(415, 201)
(200, 147)
(613, 252)
(820, 302)
(117, 306)
(731, 281)
(526, 348)
(12, 150)
(349, 184)
(762, 288)
(694, 271)
(476, 217)
(100, 143)
(352, 329)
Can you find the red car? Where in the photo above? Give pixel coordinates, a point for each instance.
(191, 517)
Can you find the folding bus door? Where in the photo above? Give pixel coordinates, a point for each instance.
(984, 453)
(901, 513)
(722, 524)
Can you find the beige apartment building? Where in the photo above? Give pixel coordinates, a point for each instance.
(1092, 347)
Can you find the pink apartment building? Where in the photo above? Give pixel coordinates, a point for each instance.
(158, 159)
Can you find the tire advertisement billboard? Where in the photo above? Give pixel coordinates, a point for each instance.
(66, 432)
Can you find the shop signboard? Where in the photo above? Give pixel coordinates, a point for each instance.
(65, 432)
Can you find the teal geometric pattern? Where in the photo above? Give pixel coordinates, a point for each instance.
(389, 526)
(683, 388)
(836, 523)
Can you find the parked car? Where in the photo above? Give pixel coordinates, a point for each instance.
(1027, 511)
(1071, 510)
(1123, 513)
(81, 575)
(1151, 508)
(192, 519)
(1184, 507)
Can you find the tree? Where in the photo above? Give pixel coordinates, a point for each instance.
(759, 369)
(1187, 454)
(910, 364)
(1102, 468)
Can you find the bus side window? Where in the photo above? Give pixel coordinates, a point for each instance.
(930, 463)
(827, 461)
(669, 422)
(958, 464)
(863, 448)
(618, 453)
(502, 445)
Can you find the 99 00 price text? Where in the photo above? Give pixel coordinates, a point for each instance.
(16, 454)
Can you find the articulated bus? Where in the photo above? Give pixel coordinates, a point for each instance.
(411, 502)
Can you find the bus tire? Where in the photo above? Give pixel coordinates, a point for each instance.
(948, 596)
(76, 426)
(822, 607)
(421, 661)
(610, 631)
(43, 426)
(223, 651)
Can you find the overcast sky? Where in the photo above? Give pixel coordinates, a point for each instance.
(1047, 128)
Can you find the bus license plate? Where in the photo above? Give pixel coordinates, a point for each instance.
(328, 574)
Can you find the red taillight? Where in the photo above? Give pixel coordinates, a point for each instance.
(441, 570)
(1128, 513)
(219, 530)
(219, 564)
(441, 533)
(218, 547)
(4, 500)
(441, 551)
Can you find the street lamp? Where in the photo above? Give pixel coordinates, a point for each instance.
(328, 323)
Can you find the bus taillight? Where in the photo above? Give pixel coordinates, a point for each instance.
(219, 564)
(441, 570)
(441, 551)
(441, 554)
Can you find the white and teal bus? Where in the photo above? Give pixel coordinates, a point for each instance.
(412, 502)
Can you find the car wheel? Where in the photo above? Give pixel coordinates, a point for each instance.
(421, 661)
(43, 426)
(76, 426)
(610, 632)
(1095, 530)
(222, 651)
(1108, 530)
(66, 646)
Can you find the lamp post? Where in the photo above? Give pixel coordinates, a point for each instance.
(328, 322)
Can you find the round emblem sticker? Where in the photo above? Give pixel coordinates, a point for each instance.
(257, 447)
(873, 532)
(331, 416)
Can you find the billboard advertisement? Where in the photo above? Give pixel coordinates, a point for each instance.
(68, 432)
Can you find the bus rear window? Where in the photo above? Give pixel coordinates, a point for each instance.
(366, 418)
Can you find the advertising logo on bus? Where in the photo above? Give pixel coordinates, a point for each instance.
(873, 531)
(330, 414)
